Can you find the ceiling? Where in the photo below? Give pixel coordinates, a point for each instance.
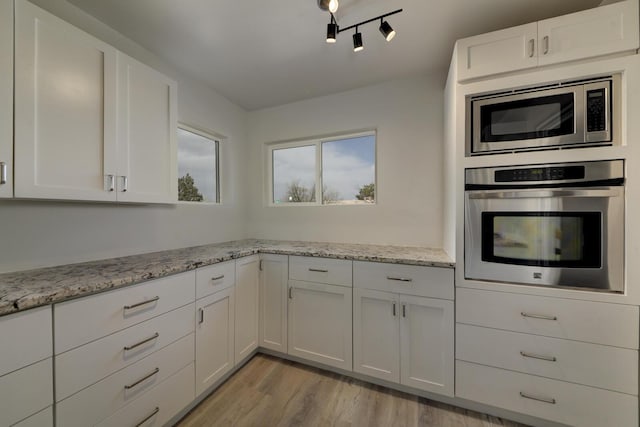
(265, 53)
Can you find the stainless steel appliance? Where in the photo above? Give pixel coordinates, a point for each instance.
(577, 114)
(551, 225)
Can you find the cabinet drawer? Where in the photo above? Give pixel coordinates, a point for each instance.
(214, 278)
(43, 418)
(83, 366)
(573, 361)
(429, 282)
(562, 402)
(81, 321)
(321, 270)
(159, 405)
(25, 392)
(26, 338)
(595, 322)
(99, 401)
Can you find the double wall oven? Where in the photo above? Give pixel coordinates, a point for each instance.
(550, 225)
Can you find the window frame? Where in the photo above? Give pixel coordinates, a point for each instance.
(217, 139)
(317, 142)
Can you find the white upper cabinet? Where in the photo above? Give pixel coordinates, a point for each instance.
(65, 105)
(594, 32)
(90, 122)
(6, 98)
(147, 120)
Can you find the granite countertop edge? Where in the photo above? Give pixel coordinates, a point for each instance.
(23, 290)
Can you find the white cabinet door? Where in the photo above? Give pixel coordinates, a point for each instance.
(247, 296)
(320, 324)
(6, 98)
(594, 32)
(427, 344)
(214, 338)
(376, 334)
(497, 52)
(65, 109)
(147, 120)
(273, 302)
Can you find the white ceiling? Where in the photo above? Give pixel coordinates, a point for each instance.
(265, 53)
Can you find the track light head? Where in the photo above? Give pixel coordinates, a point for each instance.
(329, 5)
(357, 41)
(387, 31)
(332, 31)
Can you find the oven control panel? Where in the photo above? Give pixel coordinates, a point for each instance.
(551, 173)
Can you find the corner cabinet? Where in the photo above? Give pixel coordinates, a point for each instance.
(273, 302)
(6, 98)
(90, 123)
(247, 301)
(590, 33)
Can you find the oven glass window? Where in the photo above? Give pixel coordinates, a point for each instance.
(540, 117)
(550, 239)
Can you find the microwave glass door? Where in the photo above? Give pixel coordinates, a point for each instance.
(528, 118)
(545, 239)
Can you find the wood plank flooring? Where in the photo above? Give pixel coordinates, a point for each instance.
(269, 391)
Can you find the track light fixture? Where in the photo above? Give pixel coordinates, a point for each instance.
(333, 29)
(330, 5)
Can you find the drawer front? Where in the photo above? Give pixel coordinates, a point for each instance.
(595, 322)
(25, 392)
(29, 334)
(429, 282)
(83, 366)
(159, 405)
(104, 398)
(214, 278)
(321, 270)
(553, 400)
(43, 418)
(611, 368)
(87, 319)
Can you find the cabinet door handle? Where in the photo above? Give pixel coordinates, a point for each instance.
(146, 377)
(318, 270)
(201, 316)
(140, 304)
(532, 47)
(538, 398)
(148, 417)
(3, 173)
(399, 279)
(538, 356)
(213, 279)
(394, 309)
(545, 41)
(112, 182)
(538, 316)
(125, 184)
(260, 266)
(144, 341)
(404, 310)
(290, 293)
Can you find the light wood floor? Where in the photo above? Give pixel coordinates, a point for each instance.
(273, 392)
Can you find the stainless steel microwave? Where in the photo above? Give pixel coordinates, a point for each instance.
(570, 114)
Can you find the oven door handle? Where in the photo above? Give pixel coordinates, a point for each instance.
(544, 194)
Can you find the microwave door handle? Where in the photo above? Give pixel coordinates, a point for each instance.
(544, 194)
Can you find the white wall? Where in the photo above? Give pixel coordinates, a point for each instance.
(408, 116)
(38, 233)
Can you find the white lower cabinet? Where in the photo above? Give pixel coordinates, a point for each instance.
(214, 338)
(273, 302)
(43, 418)
(25, 392)
(319, 323)
(246, 308)
(404, 339)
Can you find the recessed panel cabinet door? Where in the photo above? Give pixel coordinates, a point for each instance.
(6, 98)
(247, 291)
(65, 104)
(147, 120)
(273, 302)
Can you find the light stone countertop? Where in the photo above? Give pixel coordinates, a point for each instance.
(27, 289)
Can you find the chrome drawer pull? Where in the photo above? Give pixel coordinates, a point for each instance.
(538, 316)
(546, 44)
(3, 173)
(213, 279)
(538, 398)
(538, 356)
(155, 411)
(146, 377)
(399, 279)
(151, 338)
(112, 182)
(532, 47)
(318, 270)
(139, 304)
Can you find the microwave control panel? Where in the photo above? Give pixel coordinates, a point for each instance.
(596, 110)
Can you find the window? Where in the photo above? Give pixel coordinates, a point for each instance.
(198, 166)
(330, 171)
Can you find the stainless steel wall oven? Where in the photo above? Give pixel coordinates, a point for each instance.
(552, 225)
